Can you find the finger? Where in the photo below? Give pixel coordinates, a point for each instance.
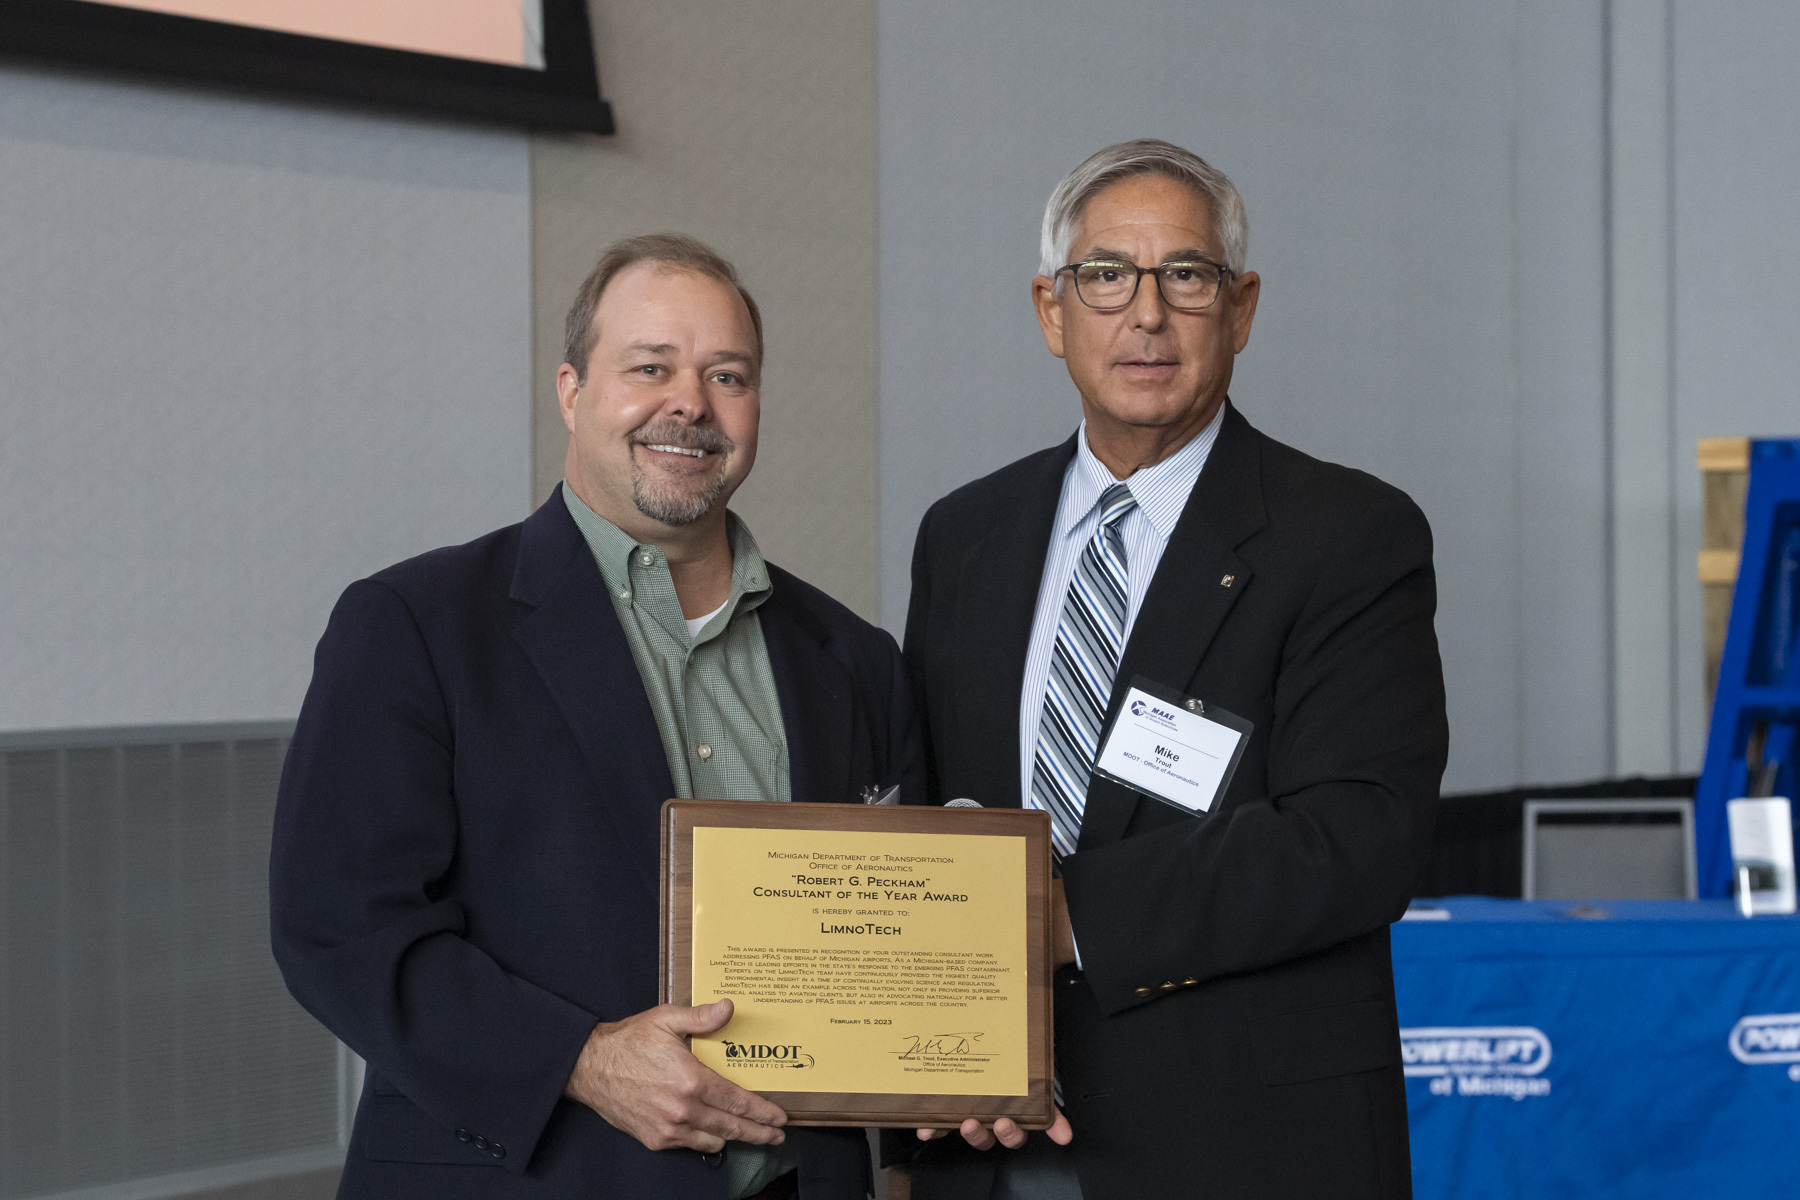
(734, 1129)
(717, 1092)
(977, 1134)
(931, 1135)
(1009, 1133)
(701, 1018)
(1059, 1131)
(697, 1139)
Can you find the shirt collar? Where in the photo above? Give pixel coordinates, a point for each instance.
(613, 549)
(1161, 491)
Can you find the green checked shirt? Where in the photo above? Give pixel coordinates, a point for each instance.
(714, 699)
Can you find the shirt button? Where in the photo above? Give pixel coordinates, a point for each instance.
(646, 558)
(625, 595)
(703, 750)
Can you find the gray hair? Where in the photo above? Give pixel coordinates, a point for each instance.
(1126, 160)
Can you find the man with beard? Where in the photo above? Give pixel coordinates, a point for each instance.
(464, 873)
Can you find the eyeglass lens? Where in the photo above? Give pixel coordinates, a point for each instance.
(1111, 284)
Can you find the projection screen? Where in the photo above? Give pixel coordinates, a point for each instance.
(522, 62)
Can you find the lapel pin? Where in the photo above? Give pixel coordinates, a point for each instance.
(1226, 581)
(1195, 706)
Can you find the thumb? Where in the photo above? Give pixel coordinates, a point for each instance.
(701, 1018)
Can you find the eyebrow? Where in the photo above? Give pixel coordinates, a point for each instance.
(668, 348)
(1189, 254)
(732, 356)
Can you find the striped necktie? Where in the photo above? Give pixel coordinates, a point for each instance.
(1089, 639)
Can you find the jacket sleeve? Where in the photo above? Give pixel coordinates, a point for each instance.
(905, 729)
(1356, 753)
(365, 832)
(918, 618)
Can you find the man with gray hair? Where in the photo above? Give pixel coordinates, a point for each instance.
(463, 883)
(1224, 1002)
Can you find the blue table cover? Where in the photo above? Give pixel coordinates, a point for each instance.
(1614, 1048)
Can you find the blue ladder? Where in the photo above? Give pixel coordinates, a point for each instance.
(1759, 673)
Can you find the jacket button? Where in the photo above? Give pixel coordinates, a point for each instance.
(715, 1159)
(463, 1135)
(1189, 982)
(481, 1143)
(1143, 991)
(496, 1149)
(1167, 984)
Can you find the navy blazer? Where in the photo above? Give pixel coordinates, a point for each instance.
(1233, 1033)
(464, 871)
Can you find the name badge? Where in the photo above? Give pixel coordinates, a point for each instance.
(1173, 748)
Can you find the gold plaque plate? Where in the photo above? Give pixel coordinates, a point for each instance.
(887, 965)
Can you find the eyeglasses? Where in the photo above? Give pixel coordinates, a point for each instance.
(1109, 285)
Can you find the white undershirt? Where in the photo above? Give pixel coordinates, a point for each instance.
(696, 624)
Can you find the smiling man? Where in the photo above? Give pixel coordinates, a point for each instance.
(464, 874)
(1224, 1002)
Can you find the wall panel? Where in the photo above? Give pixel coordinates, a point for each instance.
(249, 351)
(1423, 187)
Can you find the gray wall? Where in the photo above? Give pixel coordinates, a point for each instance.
(1735, 267)
(249, 351)
(1706, 319)
(1516, 258)
(764, 145)
(1425, 194)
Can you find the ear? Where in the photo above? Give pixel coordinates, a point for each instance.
(1244, 294)
(567, 385)
(1049, 312)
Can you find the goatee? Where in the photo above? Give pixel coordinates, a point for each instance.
(676, 505)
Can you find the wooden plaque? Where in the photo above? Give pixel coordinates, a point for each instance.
(888, 965)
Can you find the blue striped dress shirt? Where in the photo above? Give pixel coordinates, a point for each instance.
(1161, 492)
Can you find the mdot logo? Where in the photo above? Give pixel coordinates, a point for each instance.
(1767, 1039)
(758, 1054)
(1479, 1060)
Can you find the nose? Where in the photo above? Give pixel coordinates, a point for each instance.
(688, 398)
(1147, 308)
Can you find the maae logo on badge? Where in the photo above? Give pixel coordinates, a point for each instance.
(1767, 1039)
(1478, 1060)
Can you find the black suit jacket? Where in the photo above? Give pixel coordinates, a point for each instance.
(465, 863)
(1233, 1032)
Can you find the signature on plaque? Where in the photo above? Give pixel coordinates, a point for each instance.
(940, 1045)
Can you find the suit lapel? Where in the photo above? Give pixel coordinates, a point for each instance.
(574, 640)
(1000, 575)
(816, 695)
(1189, 597)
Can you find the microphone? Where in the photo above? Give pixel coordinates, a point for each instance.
(962, 802)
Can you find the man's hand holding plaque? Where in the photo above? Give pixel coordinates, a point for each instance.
(1005, 1131)
(640, 1076)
